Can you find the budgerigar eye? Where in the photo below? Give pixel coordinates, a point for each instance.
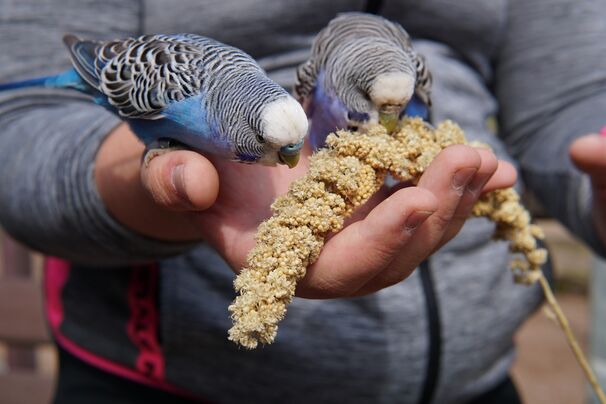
(260, 139)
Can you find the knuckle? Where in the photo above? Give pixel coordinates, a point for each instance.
(440, 221)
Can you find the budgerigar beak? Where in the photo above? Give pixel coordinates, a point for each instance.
(389, 116)
(290, 160)
(290, 154)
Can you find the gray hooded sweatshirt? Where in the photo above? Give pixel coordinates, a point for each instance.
(443, 335)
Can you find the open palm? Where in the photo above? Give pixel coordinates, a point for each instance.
(245, 195)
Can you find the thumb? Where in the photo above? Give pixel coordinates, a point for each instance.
(588, 153)
(181, 180)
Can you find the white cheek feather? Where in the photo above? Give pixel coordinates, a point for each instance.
(284, 122)
(392, 88)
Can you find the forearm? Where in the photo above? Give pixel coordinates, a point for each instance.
(48, 194)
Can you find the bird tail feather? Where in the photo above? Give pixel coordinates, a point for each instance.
(68, 79)
(83, 54)
(37, 82)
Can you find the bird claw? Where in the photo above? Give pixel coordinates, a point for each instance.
(160, 147)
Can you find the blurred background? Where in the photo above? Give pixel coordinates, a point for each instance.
(545, 369)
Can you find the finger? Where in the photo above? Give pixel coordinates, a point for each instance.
(589, 154)
(447, 177)
(488, 167)
(505, 176)
(181, 180)
(366, 247)
(483, 181)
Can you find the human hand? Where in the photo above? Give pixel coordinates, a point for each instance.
(390, 237)
(589, 154)
(380, 246)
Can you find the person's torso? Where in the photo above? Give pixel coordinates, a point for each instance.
(370, 349)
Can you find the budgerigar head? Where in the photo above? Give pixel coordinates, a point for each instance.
(269, 129)
(260, 121)
(374, 79)
(363, 70)
(282, 131)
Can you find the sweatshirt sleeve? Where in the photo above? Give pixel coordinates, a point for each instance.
(49, 138)
(551, 87)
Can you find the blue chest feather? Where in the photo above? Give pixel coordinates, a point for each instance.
(328, 114)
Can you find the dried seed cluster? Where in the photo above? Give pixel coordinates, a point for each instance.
(513, 224)
(341, 177)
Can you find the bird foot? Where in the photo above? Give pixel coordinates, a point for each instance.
(160, 147)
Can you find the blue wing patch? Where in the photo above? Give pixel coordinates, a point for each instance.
(186, 122)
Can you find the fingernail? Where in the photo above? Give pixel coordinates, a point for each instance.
(415, 219)
(476, 185)
(462, 178)
(178, 183)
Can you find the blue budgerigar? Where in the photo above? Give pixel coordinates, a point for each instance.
(201, 93)
(362, 70)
